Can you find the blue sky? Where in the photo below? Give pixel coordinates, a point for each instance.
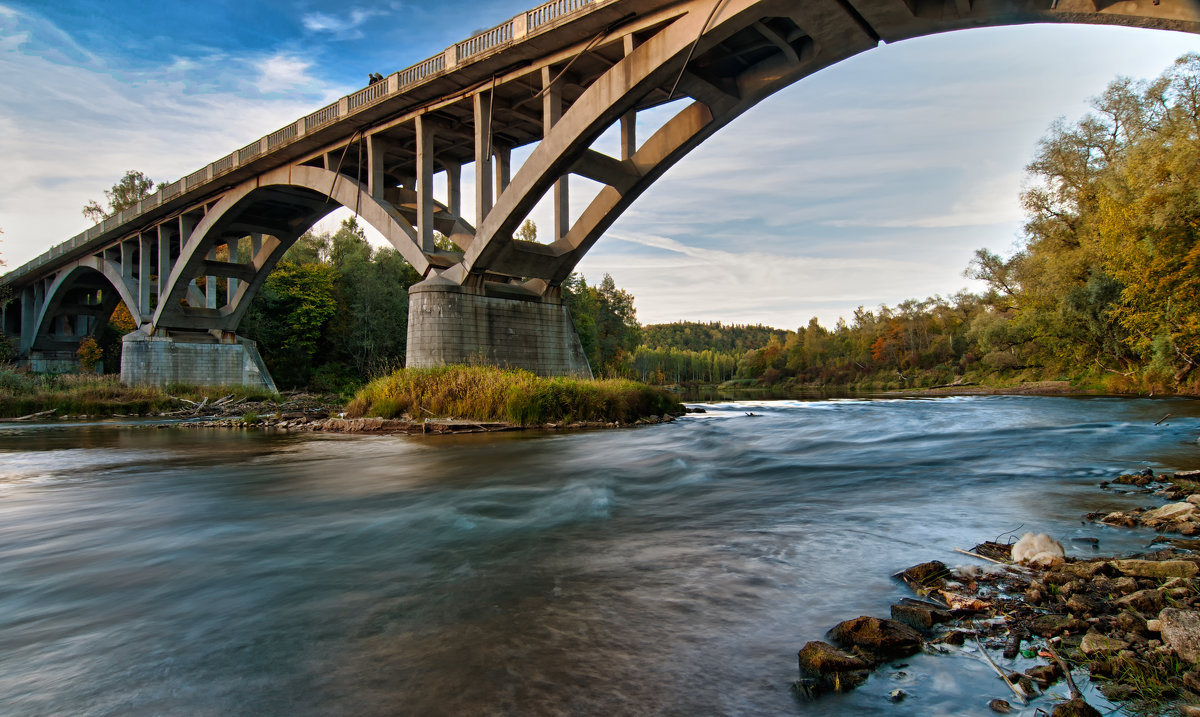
(870, 182)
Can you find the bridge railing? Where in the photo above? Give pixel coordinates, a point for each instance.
(485, 40)
(367, 95)
(321, 117)
(516, 28)
(412, 75)
(281, 136)
(552, 10)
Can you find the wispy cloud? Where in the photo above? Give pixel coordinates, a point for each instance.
(344, 27)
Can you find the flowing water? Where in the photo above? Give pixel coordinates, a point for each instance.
(669, 570)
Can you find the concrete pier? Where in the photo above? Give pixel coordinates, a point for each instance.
(449, 323)
(199, 360)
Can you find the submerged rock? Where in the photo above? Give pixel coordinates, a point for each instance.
(929, 575)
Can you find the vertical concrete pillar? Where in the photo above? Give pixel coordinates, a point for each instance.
(551, 112)
(210, 283)
(503, 169)
(425, 183)
(231, 286)
(28, 317)
(145, 270)
(454, 188)
(483, 156)
(164, 260)
(375, 183)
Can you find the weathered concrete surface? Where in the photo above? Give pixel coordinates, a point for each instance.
(161, 361)
(452, 324)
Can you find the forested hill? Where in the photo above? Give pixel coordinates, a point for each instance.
(709, 336)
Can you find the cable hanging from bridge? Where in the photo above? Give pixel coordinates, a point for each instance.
(692, 50)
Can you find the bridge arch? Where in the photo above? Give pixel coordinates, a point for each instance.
(88, 292)
(280, 205)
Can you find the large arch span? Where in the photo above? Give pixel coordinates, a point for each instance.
(191, 259)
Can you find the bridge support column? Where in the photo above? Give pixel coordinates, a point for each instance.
(453, 324)
(199, 360)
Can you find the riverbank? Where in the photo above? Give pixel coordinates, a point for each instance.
(1129, 625)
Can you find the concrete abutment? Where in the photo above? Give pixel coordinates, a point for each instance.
(453, 324)
(197, 361)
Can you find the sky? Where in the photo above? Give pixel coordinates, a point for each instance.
(870, 182)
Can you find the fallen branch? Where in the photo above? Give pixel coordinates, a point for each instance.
(1159, 421)
(983, 557)
(1075, 693)
(1015, 687)
(30, 417)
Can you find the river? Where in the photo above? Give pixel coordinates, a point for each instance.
(662, 570)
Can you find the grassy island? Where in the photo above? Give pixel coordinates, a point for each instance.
(487, 393)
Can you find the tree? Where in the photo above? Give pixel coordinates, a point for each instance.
(126, 193)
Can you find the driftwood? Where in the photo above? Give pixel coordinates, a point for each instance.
(30, 417)
(1075, 693)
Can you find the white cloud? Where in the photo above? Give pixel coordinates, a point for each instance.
(282, 72)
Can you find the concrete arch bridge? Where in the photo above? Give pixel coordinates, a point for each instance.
(553, 79)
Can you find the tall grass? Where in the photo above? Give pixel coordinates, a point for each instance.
(486, 393)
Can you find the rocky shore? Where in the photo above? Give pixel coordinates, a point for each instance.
(1047, 623)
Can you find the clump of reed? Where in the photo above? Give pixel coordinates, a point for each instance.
(487, 393)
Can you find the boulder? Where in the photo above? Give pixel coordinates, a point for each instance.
(1044, 675)
(1086, 570)
(1094, 643)
(1194, 499)
(879, 638)
(1157, 569)
(1170, 511)
(1180, 631)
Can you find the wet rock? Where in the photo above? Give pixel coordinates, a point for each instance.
(1144, 601)
(920, 615)
(879, 638)
(1054, 625)
(824, 668)
(928, 575)
(1158, 569)
(1074, 708)
(958, 638)
(1181, 632)
(1000, 706)
(1134, 479)
(1045, 675)
(897, 695)
(1094, 644)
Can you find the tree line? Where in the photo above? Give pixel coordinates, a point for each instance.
(1103, 288)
